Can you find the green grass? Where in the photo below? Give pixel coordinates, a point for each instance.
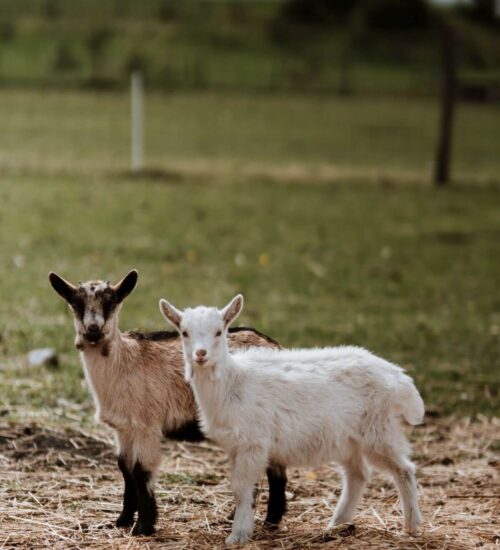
(53, 131)
(410, 273)
(404, 270)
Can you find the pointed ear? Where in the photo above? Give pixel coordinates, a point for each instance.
(64, 288)
(171, 314)
(232, 310)
(126, 285)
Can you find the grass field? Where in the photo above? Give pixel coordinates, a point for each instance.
(404, 270)
(409, 273)
(222, 136)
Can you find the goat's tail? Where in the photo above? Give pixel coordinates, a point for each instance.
(407, 401)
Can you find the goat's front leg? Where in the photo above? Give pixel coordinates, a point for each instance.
(144, 473)
(130, 501)
(141, 458)
(247, 468)
(144, 479)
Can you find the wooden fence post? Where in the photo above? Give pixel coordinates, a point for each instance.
(447, 103)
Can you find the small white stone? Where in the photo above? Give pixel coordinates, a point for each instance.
(43, 357)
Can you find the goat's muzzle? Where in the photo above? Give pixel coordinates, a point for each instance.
(93, 334)
(200, 357)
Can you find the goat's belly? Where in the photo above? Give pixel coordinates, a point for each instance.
(224, 437)
(229, 439)
(311, 452)
(121, 420)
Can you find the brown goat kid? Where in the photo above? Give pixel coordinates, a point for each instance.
(137, 381)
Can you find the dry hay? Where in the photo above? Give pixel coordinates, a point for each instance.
(60, 488)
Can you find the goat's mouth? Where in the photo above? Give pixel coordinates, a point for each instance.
(201, 362)
(93, 338)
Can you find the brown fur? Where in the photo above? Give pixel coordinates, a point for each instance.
(137, 381)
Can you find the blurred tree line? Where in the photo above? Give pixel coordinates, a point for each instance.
(389, 18)
(384, 14)
(341, 46)
(398, 29)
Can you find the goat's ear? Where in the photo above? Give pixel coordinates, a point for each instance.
(126, 285)
(64, 288)
(171, 314)
(232, 310)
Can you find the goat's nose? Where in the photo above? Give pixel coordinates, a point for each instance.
(93, 328)
(201, 352)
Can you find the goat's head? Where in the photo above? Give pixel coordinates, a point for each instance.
(203, 331)
(95, 305)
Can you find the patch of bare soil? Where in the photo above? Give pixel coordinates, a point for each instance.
(59, 488)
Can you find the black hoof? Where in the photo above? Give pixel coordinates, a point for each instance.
(125, 520)
(272, 523)
(107, 525)
(142, 529)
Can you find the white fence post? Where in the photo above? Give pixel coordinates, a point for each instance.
(137, 129)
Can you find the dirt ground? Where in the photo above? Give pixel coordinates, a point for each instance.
(59, 488)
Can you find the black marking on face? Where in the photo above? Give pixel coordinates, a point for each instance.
(190, 431)
(108, 300)
(78, 303)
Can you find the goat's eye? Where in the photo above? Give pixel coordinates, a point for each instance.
(218, 333)
(185, 334)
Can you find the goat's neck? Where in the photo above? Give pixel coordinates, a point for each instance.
(212, 387)
(104, 367)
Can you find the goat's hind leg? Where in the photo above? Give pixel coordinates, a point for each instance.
(276, 506)
(354, 482)
(403, 474)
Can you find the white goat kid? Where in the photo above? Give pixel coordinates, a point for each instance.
(298, 407)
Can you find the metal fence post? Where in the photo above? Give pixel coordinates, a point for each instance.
(137, 127)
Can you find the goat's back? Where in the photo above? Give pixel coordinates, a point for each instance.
(307, 402)
(155, 388)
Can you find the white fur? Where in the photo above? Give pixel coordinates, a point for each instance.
(300, 407)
